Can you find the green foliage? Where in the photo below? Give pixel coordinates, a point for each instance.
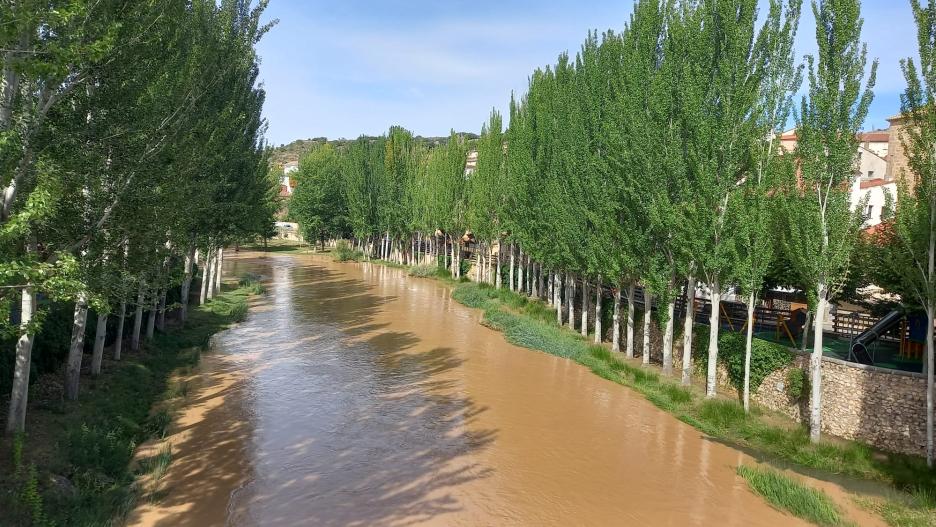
(423, 271)
(31, 500)
(766, 357)
(790, 495)
(345, 253)
(796, 383)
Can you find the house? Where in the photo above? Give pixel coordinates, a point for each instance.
(288, 183)
(472, 162)
(873, 170)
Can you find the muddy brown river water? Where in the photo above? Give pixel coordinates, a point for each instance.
(354, 395)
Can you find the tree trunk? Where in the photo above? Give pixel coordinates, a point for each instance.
(161, 317)
(930, 312)
(512, 261)
(648, 314)
(616, 321)
(497, 277)
(75, 350)
(815, 366)
(100, 335)
(118, 344)
(151, 319)
(539, 281)
(598, 311)
(186, 283)
(212, 268)
(520, 284)
(711, 373)
(668, 337)
(631, 312)
(16, 414)
(584, 328)
(749, 342)
(688, 323)
(204, 278)
(479, 271)
(219, 270)
(137, 321)
(570, 300)
(557, 299)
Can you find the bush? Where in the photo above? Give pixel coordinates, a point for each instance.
(766, 357)
(796, 383)
(345, 253)
(423, 271)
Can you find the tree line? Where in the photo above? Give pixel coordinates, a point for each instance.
(131, 152)
(652, 159)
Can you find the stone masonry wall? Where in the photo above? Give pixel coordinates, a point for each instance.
(884, 408)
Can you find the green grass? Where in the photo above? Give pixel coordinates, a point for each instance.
(531, 324)
(787, 494)
(424, 271)
(91, 441)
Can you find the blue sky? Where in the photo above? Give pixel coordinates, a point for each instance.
(341, 68)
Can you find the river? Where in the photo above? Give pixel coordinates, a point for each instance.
(354, 395)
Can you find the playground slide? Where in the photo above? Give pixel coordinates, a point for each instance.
(859, 345)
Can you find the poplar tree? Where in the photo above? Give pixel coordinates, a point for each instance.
(911, 251)
(823, 228)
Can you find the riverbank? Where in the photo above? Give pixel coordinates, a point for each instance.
(78, 462)
(767, 436)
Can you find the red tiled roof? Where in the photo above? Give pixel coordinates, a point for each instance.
(877, 136)
(876, 182)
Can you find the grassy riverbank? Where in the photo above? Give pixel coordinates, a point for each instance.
(74, 466)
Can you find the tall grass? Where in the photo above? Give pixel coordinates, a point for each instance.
(787, 494)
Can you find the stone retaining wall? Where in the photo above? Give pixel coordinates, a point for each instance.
(884, 408)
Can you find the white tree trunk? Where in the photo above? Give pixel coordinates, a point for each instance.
(204, 278)
(570, 300)
(212, 268)
(712, 371)
(616, 321)
(512, 262)
(688, 323)
(631, 312)
(186, 282)
(557, 298)
(668, 337)
(16, 414)
(520, 284)
(75, 350)
(151, 319)
(218, 270)
(100, 335)
(137, 321)
(121, 317)
(497, 277)
(648, 313)
(598, 311)
(584, 329)
(749, 342)
(815, 366)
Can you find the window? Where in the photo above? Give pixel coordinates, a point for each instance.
(870, 174)
(870, 210)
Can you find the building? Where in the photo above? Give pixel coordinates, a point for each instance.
(873, 170)
(288, 183)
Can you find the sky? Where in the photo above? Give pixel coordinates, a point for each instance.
(344, 68)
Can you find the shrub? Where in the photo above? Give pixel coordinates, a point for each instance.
(423, 271)
(251, 282)
(345, 253)
(95, 449)
(796, 383)
(766, 357)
